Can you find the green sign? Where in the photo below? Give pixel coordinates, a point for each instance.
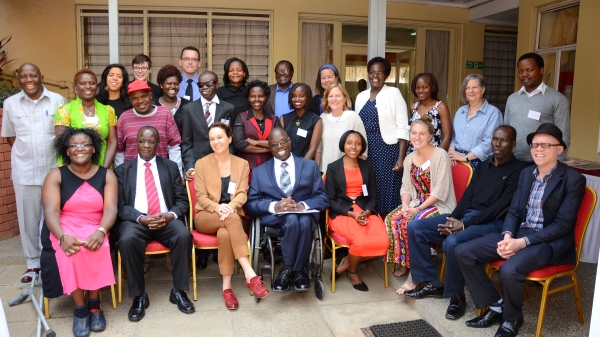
(474, 65)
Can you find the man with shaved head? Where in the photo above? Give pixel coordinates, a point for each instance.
(28, 126)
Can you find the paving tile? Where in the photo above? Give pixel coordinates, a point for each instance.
(292, 321)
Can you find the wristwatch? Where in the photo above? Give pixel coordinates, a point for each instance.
(467, 157)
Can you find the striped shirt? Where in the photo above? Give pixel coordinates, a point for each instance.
(475, 135)
(131, 122)
(535, 214)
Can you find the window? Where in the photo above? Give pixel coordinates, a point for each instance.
(499, 59)
(556, 43)
(162, 33)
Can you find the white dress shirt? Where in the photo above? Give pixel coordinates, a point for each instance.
(291, 170)
(141, 198)
(212, 108)
(541, 89)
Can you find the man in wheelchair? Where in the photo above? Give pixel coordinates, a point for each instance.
(287, 193)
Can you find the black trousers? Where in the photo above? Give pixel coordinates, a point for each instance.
(133, 238)
(472, 256)
(296, 241)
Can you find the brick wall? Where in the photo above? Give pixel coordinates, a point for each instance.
(8, 209)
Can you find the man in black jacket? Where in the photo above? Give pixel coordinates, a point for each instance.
(478, 213)
(152, 200)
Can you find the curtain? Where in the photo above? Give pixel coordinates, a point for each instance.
(245, 39)
(315, 51)
(168, 36)
(499, 59)
(437, 50)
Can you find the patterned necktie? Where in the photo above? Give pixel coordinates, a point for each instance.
(151, 193)
(207, 115)
(189, 90)
(285, 181)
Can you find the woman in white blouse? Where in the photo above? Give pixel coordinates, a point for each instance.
(337, 119)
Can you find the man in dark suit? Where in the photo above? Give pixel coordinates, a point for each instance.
(278, 103)
(197, 117)
(288, 184)
(538, 230)
(152, 200)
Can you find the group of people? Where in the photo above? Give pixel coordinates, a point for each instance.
(255, 149)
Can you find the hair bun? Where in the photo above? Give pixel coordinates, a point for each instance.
(427, 118)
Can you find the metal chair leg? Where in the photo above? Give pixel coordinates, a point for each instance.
(119, 279)
(194, 272)
(46, 307)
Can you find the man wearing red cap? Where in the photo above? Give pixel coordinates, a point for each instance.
(145, 114)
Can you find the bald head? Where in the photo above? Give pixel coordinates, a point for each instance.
(280, 144)
(31, 80)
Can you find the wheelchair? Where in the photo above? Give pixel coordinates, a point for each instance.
(262, 235)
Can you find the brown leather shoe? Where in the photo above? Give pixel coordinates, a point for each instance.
(231, 301)
(27, 278)
(257, 287)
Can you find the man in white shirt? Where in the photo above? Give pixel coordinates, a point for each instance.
(28, 125)
(288, 184)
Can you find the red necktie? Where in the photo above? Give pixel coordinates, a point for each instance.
(151, 193)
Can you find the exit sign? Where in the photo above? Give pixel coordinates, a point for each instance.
(474, 65)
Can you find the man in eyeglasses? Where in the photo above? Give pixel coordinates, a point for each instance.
(288, 184)
(142, 68)
(144, 113)
(152, 204)
(278, 101)
(189, 62)
(538, 231)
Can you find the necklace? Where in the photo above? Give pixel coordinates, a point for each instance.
(87, 112)
(297, 121)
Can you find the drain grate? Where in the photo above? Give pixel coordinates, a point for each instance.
(416, 328)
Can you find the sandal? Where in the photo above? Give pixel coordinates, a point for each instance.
(338, 274)
(407, 286)
(401, 271)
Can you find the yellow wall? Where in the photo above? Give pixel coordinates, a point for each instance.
(585, 109)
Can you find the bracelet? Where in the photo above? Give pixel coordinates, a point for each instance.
(60, 241)
(467, 157)
(463, 225)
(527, 243)
(100, 229)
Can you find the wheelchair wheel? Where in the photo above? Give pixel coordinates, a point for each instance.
(319, 289)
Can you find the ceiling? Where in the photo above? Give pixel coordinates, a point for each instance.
(496, 12)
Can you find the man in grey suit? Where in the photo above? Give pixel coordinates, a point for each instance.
(277, 104)
(197, 117)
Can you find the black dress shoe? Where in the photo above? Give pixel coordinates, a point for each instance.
(301, 281)
(137, 310)
(487, 319)
(202, 258)
(457, 306)
(183, 302)
(425, 290)
(97, 321)
(81, 326)
(282, 281)
(509, 328)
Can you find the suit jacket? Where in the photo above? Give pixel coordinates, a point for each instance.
(560, 204)
(308, 187)
(194, 142)
(170, 182)
(270, 105)
(336, 188)
(207, 182)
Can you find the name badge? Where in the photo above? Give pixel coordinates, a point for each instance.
(186, 97)
(225, 121)
(302, 133)
(231, 188)
(365, 192)
(534, 115)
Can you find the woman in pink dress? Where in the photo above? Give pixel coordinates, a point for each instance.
(80, 207)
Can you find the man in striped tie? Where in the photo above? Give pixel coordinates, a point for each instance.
(152, 202)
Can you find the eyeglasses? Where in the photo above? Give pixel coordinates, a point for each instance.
(140, 68)
(282, 142)
(80, 146)
(282, 72)
(208, 84)
(543, 145)
(375, 73)
(190, 59)
(146, 142)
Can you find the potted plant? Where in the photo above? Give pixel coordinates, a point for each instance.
(8, 84)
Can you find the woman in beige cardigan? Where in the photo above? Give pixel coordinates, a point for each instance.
(427, 190)
(221, 182)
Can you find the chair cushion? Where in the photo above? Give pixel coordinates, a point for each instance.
(205, 240)
(155, 246)
(339, 240)
(543, 272)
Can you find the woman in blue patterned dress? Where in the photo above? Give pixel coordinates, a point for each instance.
(384, 114)
(425, 87)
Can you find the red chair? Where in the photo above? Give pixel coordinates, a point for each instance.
(153, 248)
(461, 177)
(547, 274)
(199, 240)
(337, 241)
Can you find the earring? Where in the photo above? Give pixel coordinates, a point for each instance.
(106, 88)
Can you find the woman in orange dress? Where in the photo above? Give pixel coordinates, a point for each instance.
(352, 192)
